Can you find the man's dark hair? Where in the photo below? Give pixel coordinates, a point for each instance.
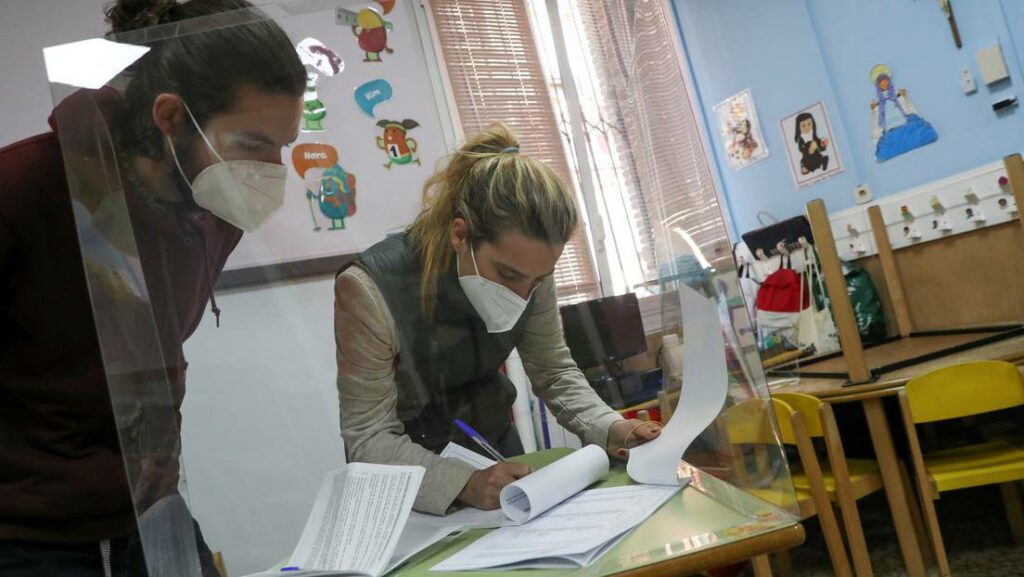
(237, 46)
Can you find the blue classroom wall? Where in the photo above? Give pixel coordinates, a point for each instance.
(793, 53)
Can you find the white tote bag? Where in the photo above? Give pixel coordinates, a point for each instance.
(816, 327)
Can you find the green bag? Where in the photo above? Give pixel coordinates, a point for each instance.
(867, 305)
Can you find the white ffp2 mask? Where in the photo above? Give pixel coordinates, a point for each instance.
(499, 306)
(244, 193)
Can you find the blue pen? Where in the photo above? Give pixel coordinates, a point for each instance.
(479, 440)
(290, 569)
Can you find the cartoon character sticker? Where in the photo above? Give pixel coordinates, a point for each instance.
(896, 126)
(741, 133)
(372, 32)
(328, 187)
(318, 59)
(394, 141)
(337, 196)
(813, 156)
(386, 5)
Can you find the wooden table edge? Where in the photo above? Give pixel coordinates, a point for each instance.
(853, 393)
(727, 554)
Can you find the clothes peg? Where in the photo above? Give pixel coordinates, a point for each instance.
(905, 213)
(936, 205)
(912, 232)
(971, 196)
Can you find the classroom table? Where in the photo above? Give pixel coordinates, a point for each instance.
(911, 536)
(707, 524)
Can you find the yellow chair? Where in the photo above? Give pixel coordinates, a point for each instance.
(846, 480)
(956, 392)
(747, 425)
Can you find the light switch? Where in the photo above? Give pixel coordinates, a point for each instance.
(967, 81)
(992, 64)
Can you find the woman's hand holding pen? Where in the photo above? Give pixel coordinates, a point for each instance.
(629, 433)
(484, 486)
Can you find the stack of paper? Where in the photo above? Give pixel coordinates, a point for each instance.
(360, 523)
(572, 534)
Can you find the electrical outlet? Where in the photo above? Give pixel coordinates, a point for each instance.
(967, 81)
(862, 193)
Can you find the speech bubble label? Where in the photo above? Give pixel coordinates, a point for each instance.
(313, 155)
(374, 92)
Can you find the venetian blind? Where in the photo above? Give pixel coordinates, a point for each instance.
(644, 93)
(495, 74)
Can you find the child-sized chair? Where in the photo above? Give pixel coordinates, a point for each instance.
(956, 392)
(846, 480)
(747, 425)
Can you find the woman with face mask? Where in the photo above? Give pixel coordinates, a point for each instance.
(167, 167)
(425, 319)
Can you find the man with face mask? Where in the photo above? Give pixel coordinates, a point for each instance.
(425, 319)
(197, 134)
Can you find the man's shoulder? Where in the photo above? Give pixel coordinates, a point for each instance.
(29, 154)
(31, 171)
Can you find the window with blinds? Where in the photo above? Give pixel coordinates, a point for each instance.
(643, 136)
(495, 74)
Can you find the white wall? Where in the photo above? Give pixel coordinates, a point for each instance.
(260, 419)
(26, 27)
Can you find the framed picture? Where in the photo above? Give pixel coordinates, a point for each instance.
(812, 152)
(741, 132)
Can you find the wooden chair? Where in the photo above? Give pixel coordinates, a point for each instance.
(957, 392)
(846, 480)
(747, 425)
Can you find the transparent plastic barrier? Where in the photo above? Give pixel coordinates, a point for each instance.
(259, 426)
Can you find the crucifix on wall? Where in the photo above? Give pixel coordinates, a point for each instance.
(947, 8)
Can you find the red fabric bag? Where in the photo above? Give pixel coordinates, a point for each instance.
(780, 292)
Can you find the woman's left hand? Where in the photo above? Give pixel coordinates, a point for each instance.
(626, 434)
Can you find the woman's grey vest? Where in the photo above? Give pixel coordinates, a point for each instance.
(447, 367)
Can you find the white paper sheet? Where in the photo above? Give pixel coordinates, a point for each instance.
(416, 537)
(573, 534)
(467, 518)
(358, 518)
(471, 458)
(534, 494)
(705, 383)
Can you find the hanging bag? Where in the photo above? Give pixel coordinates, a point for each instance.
(779, 303)
(815, 326)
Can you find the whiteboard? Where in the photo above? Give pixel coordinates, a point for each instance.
(386, 199)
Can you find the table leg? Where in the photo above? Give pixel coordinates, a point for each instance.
(885, 452)
(762, 566)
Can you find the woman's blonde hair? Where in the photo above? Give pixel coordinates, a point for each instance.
(494, 189)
